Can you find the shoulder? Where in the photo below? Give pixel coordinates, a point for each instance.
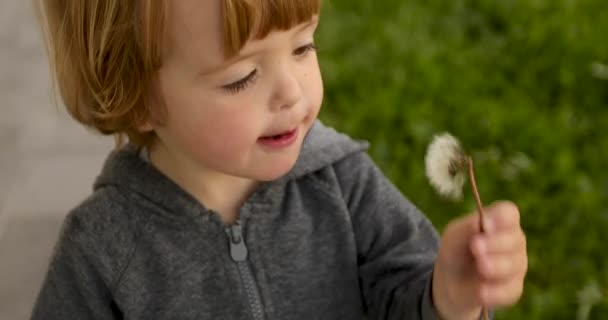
(106, 213)
(104, 228)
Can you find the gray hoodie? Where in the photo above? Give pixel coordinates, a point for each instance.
(332, 239)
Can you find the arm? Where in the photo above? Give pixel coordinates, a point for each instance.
(396, 243)
(75, 286)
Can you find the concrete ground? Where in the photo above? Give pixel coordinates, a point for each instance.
(47, 162)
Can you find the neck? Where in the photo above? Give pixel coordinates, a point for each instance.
(217, 191)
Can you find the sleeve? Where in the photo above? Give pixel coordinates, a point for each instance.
(75, 286)
(396, 243)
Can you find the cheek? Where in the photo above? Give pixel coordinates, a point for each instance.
(220, 136)
(202, 125)
(314, 82)
(319, 93)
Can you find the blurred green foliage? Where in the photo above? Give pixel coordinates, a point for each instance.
(524, 85)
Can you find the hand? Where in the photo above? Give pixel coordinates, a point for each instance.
(476, 269)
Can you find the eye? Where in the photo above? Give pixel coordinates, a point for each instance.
(303, 50)
(242, 84)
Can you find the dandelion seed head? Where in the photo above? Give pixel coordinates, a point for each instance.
(446, 164)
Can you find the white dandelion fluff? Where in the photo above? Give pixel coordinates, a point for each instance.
(446, 165)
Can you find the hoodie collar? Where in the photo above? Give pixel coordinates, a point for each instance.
(125, 169)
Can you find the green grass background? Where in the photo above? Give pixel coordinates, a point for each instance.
(524, 85)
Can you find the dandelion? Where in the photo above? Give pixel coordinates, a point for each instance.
(447, 165)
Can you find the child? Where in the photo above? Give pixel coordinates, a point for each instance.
(231, 201)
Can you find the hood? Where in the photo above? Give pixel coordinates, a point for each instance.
(126, 170)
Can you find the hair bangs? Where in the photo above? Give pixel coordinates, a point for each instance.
(255, 19)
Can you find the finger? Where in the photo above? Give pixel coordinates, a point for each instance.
(501, 267)
(502, 215)
(502, 294)
(462, 231)
(498, 243)
(466, 225)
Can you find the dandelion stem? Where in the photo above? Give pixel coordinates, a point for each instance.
(476, 194)
(484, 310)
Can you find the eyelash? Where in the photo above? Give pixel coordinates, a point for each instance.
(242, 84)
(301, 51)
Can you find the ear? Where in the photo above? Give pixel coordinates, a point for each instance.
(156, 111)
(147, 125)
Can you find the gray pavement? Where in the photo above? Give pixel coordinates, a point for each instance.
(47, 162)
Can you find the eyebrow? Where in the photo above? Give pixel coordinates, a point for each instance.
(239, 57)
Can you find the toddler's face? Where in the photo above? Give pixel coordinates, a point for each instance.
(222, 113)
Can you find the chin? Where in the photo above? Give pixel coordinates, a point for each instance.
(275, 170)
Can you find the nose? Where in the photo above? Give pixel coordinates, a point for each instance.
(287, 90)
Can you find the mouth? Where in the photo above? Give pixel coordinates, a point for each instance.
(282, 139)
(279, 136)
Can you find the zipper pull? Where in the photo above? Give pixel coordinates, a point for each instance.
(238, 249)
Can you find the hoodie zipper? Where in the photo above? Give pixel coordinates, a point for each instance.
(238, 252)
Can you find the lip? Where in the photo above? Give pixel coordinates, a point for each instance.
(281, 140)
